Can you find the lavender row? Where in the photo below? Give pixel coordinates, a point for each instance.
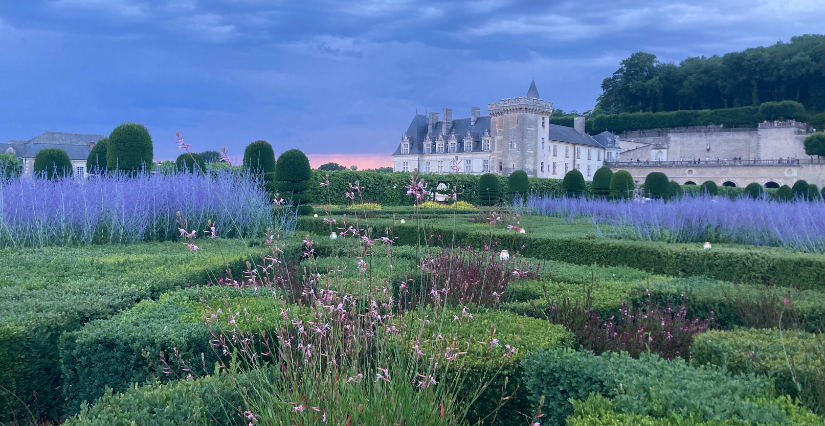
(123, 209)
(798, 226)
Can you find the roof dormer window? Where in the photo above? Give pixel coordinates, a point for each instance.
(428, 147)
(405, 148)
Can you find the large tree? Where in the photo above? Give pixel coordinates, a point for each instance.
(331, 167)
(815, 144)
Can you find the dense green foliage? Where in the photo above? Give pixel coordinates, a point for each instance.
(129, 148)
(800, 189)
(815, 144)
(504, 372)
(782, 111)
(331, 167)
(784, 71)
(784, 193)
(292, 176)
(754, 190)
(601, 181)
(260, 159)
(790, 358)
(52, 163)
(190, 162)
(96, 162)
(45, 293)
(622, 184)
(10, 166)
(518, 183)
(211, 156)
(488, 189)
(817, 121)
(674, 190)
(573, 184)
(649, 386)
(657, 185)
(710, 187)
(211, 400)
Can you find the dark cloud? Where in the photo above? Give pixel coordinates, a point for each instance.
(332, 76)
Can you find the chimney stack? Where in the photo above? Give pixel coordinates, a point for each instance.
(448, 121)
(474, 113)
(578, 124)
(431, 122)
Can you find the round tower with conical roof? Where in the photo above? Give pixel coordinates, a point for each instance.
(518, 127)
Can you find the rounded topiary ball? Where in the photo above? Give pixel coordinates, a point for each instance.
(52, 163)
(190, 162)
(800, 189)
(292, 174)
(573, 183)
(259, 158)
(518, 183)
(784, 193)
(657, 185)
(813, 193)
(601, 181)
(754, 190)
(488, 189)
(96, 162)
(129, 148)
(709, 187)
(622, 184)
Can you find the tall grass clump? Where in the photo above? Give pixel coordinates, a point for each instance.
(798, 226)
(119, 208)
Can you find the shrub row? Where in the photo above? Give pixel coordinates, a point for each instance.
(729, 117)
(794, 360)
(389, 189)
(651, 386)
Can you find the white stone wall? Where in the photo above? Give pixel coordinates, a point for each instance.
(420, 162)
(739, 175)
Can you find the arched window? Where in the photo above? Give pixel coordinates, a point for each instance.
(771, 185)
(730, 184)
(690, 182)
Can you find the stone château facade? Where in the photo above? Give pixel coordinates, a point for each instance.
(516, 135)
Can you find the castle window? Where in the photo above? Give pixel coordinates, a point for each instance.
(566, 167)
(485, 166)
(468, 146)
(555, 154)
(588, 170)
(500, 166)
(79, 171)
(566, 154)
(405, 148)
(542, 144)
(598, 156)
(589, 154)
(468, 166)
(578, 153)
(440, 167)
(426, 167)
(513, 146)
(554, 167)
(428, 147)
(542, 122)
(485, 145)
(542, 166)
(405, 166)
(439, 147)
(453, 146)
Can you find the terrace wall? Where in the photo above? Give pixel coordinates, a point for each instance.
(741, 175)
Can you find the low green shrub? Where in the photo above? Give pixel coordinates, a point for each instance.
(573, 184)
(213, 400)
(794, 360)
(648, 386)
(190, 162)
(52, 163)
(498, 367)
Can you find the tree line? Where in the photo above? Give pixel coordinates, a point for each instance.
(793, 71)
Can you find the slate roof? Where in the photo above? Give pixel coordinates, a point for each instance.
(76, 145)
(417, 132)
(533, 92)
(570, 135)
(607, 139)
